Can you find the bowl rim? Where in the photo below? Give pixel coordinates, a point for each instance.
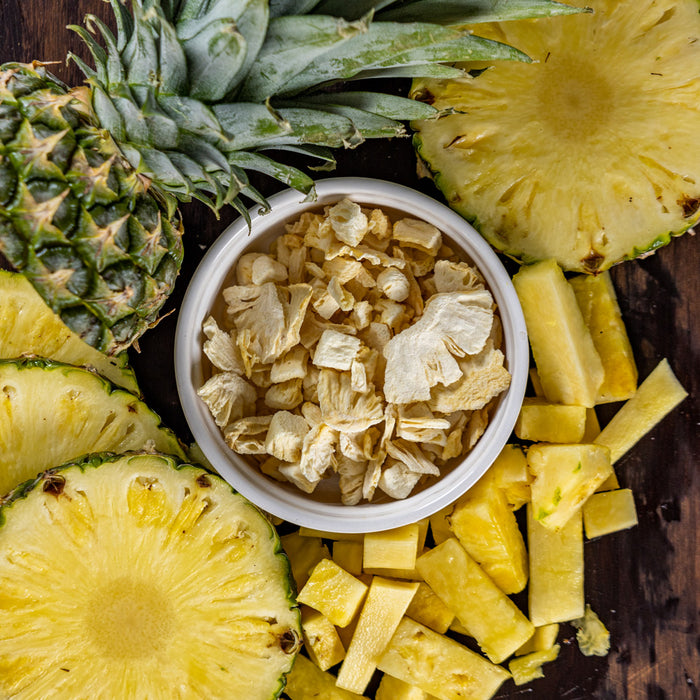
(298, 508)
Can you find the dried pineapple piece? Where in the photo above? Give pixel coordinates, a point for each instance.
(221, 349)
(266, 269)
(452, 325)
(415, 233)
(228, 396)
(336, 350)
(343, 408)
(247, 435)
(393, 284)
(285, 436)
(318, 452)
(291, 365)
(348, 221)
(456, 277)
(351, 478)
(284, 396)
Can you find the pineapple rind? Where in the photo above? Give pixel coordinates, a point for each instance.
(581, 156)
(231, 631)
(51, 412)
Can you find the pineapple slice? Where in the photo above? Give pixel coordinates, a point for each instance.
(391, 549)
(486, 527)
(525, 669)
(588, 154)
(304, 553)
(655, 398)
(130, 576)
(333, 592)
(478, 603)
(439, 665)
(598, 303)
(51, 413)
(565, 476)
(321, 639)
(568, 364)
(608, 512)
(306, 681)
(541, 421)
(384, 607)
(29, 327)
(555, 592)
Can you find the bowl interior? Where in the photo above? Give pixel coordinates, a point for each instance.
(322, 509)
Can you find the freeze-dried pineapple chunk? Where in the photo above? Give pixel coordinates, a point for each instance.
(336, 350)
(393, 284)
(415, 233)
(284, 396)
(452, 325)
(221, 349)
(456, 277)
(266, 269)
(291, 365)
(285, 436)
(318, 452)
(348, 221)
(247, 435)
(228, 396)
(343, 408)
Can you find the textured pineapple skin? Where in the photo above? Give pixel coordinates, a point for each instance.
(75, 218)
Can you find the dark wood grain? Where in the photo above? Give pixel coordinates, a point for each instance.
(644, 583)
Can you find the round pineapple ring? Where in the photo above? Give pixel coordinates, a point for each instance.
(137, 576)
(322, 509)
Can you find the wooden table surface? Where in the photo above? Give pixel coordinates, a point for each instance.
(644, 583)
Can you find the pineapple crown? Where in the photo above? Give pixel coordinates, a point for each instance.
(197, 92)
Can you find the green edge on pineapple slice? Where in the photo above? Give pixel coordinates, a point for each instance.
(51, 413)
(29, 327)
(139, 576)
(587, 155)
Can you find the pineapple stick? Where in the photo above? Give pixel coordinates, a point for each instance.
(656, 397)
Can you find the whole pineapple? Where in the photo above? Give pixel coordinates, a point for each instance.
(181, 103)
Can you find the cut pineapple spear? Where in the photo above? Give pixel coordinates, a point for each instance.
(132, 576)
(597, 300)
(51, 413)
(490, 616)
(439, 665)
(608, 512)
(555, 593)
(29, 327)
(656, 396)
(568, 365)
(386, 604)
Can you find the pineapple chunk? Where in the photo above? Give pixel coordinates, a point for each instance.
(333, 592)
(303, 554)
(439, 665)
(529, 667)
(565, 476)
(429, 610)
(306, 681)
(597, 300)
(486, 527)
(386, 604)
(543, 639)
(348, 555)
(541, 421)
(592, 429)
(477, 602)
(391, 549)
(391, 688)
(656, 396)
(608, 512)
(510, 473)
(555, 592)
(568, 364)
(321, 639)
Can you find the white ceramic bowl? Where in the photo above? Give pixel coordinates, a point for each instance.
(284, 500)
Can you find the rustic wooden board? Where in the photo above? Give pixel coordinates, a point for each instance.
(644, 583)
